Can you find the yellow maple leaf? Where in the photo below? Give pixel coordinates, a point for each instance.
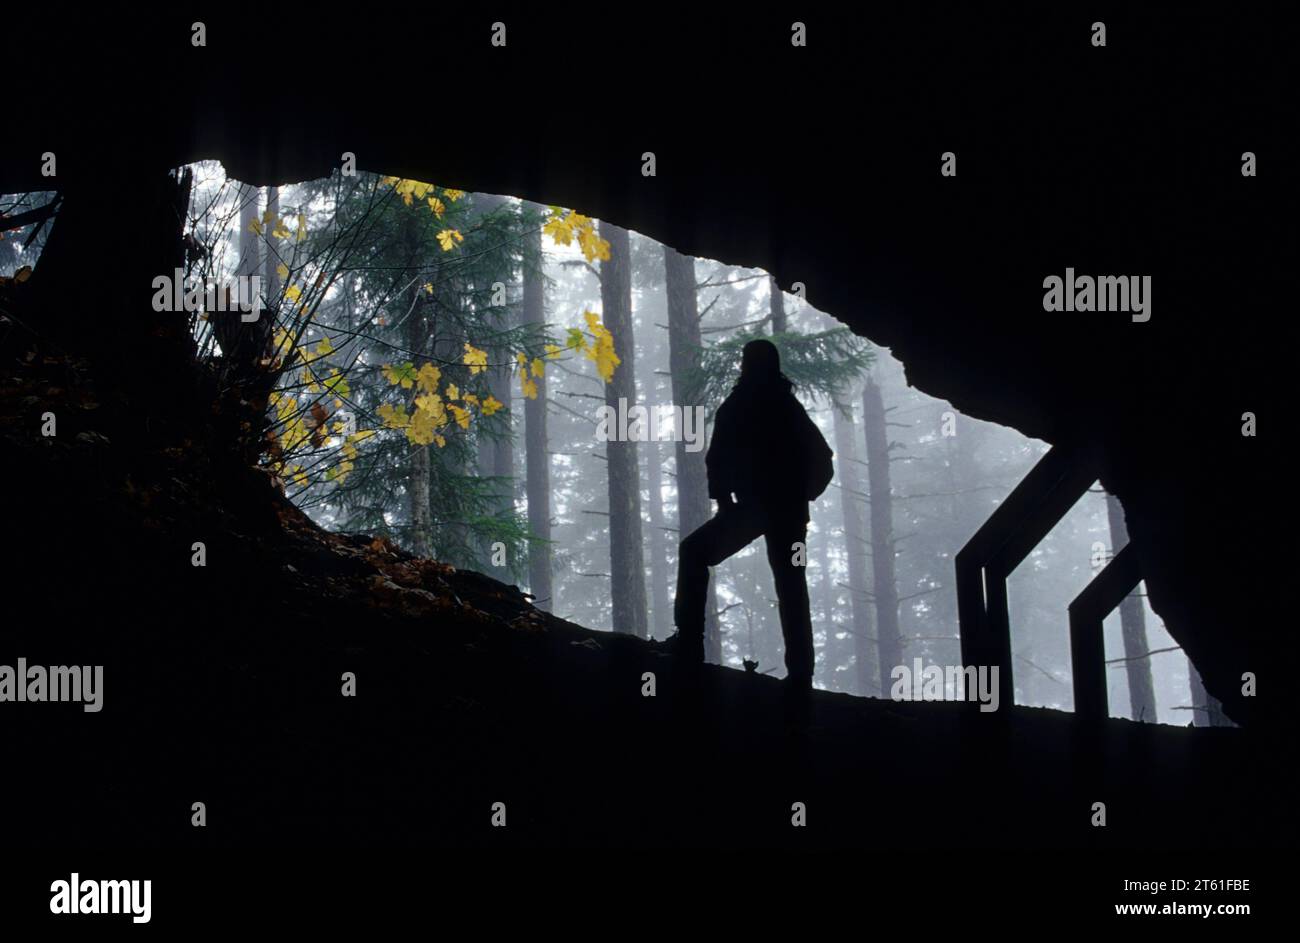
(558, 229)
(302, 228)
(475, 359)
(431, 403)
(282, 270)
(394, 417)
(462, 415)
(471, 399)
(439, 440)
(553, 351)
(452, 195)
(429, 415)
(409, 191)
(491, 405)
(293, 293)
(448, 239)
(593, 247)
(606, 361)
(529, 387)
(280, 231)
(403, 374)
(437, 206)
(602, 351)
(421, 429)
(539, 368)
(452, 391)
(255, 226)
(428, 377)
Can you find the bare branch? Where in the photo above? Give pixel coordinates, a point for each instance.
(1156, 651)
(1044, 671)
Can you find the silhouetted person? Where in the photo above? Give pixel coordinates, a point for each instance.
(772, 458)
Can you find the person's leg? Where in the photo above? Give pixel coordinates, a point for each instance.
(792, 599)
(708, 545)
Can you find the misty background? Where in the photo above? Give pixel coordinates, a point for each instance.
(368, 279)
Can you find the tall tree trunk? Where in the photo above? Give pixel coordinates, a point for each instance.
(536, 449)
(1132, 619)
(420, 463)
(828, 596)
(271, 277)
(627, 569)
(660, 607)
(684, 344)
(864, 647)
(968, 507)
(1206, 709)
(249, 257)
(883, 582)
(443, 313)
(496, 458)
(779, 323)
(420, 469)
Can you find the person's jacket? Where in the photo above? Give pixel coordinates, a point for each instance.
(766, 450)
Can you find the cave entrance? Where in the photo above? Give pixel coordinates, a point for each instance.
(434, 348)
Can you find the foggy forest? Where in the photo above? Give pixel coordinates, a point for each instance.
(435, 368)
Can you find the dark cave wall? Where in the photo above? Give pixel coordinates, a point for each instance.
(1123, 160)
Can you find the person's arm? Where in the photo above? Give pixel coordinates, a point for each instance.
(719, 460)
(819, 459)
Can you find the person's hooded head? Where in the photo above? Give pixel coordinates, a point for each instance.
(760, 365)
